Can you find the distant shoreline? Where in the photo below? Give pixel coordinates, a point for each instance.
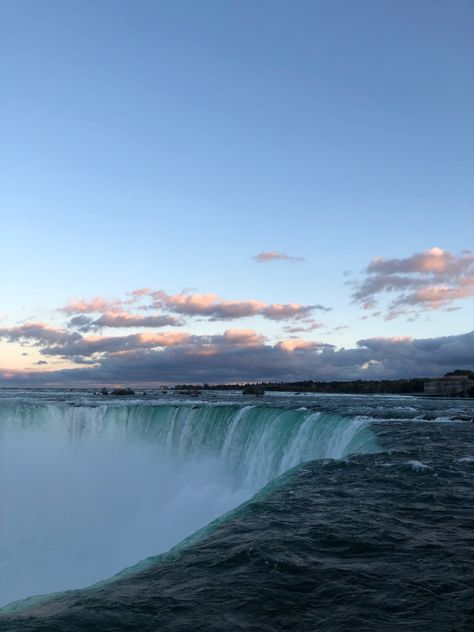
(418, 386)
(408, 386)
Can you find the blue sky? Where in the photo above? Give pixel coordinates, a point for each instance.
(164, 144)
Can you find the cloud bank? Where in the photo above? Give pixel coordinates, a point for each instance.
(236, 355)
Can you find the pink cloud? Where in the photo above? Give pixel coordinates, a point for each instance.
(290, 311)
(216, 308)
(168, 339)
(435, 261)
(436, 296)
(428, 280)
(273, 255)
(185, 303)
(243, 337)
(94, 305)
(296, 345)
(207, 305)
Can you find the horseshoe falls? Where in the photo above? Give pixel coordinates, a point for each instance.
(231, 513)
(88, 491)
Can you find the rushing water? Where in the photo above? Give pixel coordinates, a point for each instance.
(345, 512)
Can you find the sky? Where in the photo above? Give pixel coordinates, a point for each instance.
(223, 191)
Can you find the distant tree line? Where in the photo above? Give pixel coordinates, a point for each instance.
(404, 386)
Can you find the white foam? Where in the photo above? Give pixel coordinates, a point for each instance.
(418, 465)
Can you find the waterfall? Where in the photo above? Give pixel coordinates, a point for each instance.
(89, 490)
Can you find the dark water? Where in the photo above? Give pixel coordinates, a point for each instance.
(378, 541)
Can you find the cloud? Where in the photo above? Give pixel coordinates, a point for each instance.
(82, 323)
(96, 346)
(306, 327)
(185, 303)
(243, 355)
(89, 346)
(241, 338)
(273, 255)
(38, 334)
(67, 345)
(94, 305)
(214, 307)
(123, 319)
(210, 305)
(433, 261)
(289, 311)
(294, 344)
(429, 280)
(144, 291)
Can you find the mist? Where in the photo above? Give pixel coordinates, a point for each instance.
(77, 511)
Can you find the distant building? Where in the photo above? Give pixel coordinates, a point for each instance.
(448, 387)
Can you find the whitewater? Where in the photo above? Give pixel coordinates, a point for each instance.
(102, 497)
